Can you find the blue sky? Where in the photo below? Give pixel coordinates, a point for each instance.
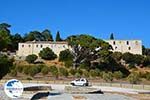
(127, 19)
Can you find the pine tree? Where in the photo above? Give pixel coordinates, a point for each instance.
(58, 38)
(112, 36)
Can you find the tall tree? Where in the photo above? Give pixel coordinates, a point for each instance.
(47, 35)
(58, 38)
(112, 36)
(34, 35)
(85, 48)
(4, 39)
(15, 39)
(4, 36)
(5, 26)
(5, 65)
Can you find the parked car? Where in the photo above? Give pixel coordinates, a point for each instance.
(80, 82)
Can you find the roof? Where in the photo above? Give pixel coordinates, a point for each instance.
(47, 42)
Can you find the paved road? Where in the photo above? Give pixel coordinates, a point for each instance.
(64, 96)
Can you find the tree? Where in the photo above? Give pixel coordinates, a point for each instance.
(47, 35)
(65, 55)
(112, 36)
(85, 48)
(47, 54)
(31, 58)
(146, 61)
(145, 51)
(58, 38)
(4, 39)
(15, 39)
(34, 35)
(128, 57)
(5, 65)
(117, 55)
(4, 27)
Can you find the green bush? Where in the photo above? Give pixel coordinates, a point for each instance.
(68, 63)
(31, 58)
(63, 72)
(134, 78)
(45, 70)
(131, 65)
(80, 71)
(86, 73)
(5, 65)
(29, 78)
(65, 55)
(13, 73)
(20, 69)
(72, 71)
(47, 54)
(108, 77)
(118, 75)
(77, 75)
(26, 69)
(148, 76)
(33, 71)
(40, 67)
(54, 71)
(94, 73)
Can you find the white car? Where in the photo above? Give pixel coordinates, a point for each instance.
(80, 82)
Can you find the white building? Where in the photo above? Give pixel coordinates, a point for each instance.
(132, 46)
(34, 47)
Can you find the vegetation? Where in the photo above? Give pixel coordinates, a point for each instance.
(54, 71)
(112, 36)
(58, 38)
(134, 78)
(47, 54)
(63, 72)
(89, 57)
(45, 70)
(108, 77)
(31, 58)
(5, 65)
(65, 55)
(118, 75)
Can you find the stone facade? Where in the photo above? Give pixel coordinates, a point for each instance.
(34, 47)
(132, 46)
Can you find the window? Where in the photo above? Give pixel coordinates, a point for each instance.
(41, 46)
(115, 47)
(114, 42)
(129, 48)
(37, 46)
(127, 42)
(22, 46)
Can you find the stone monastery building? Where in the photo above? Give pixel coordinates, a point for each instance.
(34, 47)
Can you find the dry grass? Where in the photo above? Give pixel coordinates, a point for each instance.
(79, 98)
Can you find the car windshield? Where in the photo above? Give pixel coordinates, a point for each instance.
(77, 79)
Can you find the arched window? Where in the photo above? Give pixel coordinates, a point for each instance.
(114, 42)
(127, 42)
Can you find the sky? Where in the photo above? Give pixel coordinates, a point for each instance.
(127, 19)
